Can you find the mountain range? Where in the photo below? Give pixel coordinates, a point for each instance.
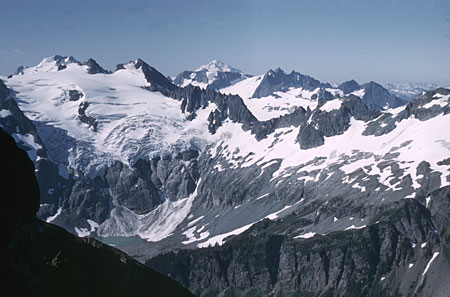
(296, 186)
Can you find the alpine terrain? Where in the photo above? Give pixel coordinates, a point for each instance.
(242, 185)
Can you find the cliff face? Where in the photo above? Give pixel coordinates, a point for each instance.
(404, 252)
(39, 259)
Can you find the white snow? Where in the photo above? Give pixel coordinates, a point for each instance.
(427, 142)
(273, 106)
(262, 196)
(211, 71)
(355, 227)
(410, 265)
(423, 245)
(217, 66)
(220, 239)
(153, 226)
(274, 215)
(82, 232)
(244, 88)
(4, 113)
(191, 236)
(135, 123)
(94, 225)
(360, 93)
(306, 235)
(331, 105)
(52, 218)
(435, 254)
(440, 101)
(132, 122)
(195, 221)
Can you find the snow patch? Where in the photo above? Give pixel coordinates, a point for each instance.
(435, 254)
(331, 105)
(306, 235)
(5, 113)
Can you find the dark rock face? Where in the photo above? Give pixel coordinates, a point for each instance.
(374, 261)
(38, 259)
(140, 188)
(75, 95)
(133, 187)
(309, 137)
(84, 118)
(322, 96)
(19, 70)
(18, 175)
(86, 199)
(263, 128)
(349, 86)
(228, 106)
(94, 67)
(16, 122)
(277, 80)
(177, 176)
(158, 82)
(333, 123)
(376, 97)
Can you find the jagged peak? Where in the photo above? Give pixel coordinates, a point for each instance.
(94, 67)
(276, 70)
(59, 60)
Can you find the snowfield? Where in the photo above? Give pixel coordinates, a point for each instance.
(132, 122)
(135, 123)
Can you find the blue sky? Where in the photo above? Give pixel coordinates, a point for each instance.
(332, 40)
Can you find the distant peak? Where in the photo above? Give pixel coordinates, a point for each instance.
(60, 59)
(217, 66)
(349, 86)
(94, 67)
(278, 70)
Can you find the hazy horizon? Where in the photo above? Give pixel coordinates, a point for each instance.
(333, 41)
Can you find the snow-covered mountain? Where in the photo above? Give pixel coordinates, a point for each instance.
(127, 153)
(214, 75)
(410, 91)
(278, 93)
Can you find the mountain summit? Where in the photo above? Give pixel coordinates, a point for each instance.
(213, 75)
(217, 66)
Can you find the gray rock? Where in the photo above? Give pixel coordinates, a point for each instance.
(75, 95)
(349, 86)
(377, 98)
(84, 118)
(266, 260)
(132, 187)
(158, 82)
(94, 67)
(277, 80)
(309, 137)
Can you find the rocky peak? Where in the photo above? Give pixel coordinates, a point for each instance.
(158, 82)
(349, 86)
(214, 75)
(377, 97)
(278, 80)
(94, 67)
